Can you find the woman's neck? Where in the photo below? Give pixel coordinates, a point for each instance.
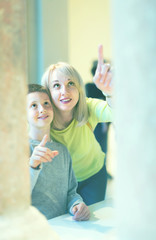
(38, 134)
(62, 120)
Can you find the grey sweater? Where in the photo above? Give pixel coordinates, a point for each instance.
(54, 185)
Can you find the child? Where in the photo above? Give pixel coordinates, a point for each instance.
(52, 180)
(75, 120)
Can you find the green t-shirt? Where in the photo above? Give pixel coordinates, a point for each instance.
(87, 156)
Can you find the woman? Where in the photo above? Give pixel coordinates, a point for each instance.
(75, 119)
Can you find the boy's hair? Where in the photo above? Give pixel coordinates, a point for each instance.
(81, 110)
(38, 88)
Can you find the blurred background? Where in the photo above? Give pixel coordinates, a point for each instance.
(67, 30)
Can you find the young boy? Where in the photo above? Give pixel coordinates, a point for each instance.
(53, 181)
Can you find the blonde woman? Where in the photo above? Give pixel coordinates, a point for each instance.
(74, 121)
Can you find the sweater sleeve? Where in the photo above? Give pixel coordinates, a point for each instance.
(34, 173)
(73, 197)
(99, 111)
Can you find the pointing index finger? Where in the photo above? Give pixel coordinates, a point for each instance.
(44, 141)
(100, 56)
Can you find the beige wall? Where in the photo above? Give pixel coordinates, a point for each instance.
(89, 25)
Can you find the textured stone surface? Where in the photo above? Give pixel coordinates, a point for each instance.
(14, 176)
(30, 225)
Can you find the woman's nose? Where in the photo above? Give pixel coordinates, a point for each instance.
(64, 89)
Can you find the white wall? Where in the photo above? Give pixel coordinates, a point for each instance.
(89, 25)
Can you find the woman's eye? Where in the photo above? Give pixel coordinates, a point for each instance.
(71, 83)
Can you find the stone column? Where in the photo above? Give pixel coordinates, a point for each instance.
(134, 40)
(18, 220)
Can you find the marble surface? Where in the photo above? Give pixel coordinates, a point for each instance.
(100, 226)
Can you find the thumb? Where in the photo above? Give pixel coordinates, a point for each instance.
(44, 141)
(75, 209)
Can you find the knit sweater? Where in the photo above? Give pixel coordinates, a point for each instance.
(54, 185)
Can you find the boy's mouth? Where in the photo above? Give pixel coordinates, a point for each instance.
(43, 117)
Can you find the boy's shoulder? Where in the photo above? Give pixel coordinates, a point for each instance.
(53, 145)
(57, 145)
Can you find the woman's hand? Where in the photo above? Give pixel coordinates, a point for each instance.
(103, 75)
(41, 154)
(81, 212)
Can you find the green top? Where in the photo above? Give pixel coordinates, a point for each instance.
(86, 153)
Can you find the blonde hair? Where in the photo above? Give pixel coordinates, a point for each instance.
(81, 110)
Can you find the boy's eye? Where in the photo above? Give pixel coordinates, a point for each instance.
(47, 103)
(56, 85)
(34, 105)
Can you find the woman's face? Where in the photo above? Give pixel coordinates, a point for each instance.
(64, 92)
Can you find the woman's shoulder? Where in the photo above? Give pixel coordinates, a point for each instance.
(93, 102)
(95, 105)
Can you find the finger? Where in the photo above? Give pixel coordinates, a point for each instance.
(81, 216)
(79, 211)
(74, 210)
(47, 154)
(42, 158)
(109, 80)
(51, 154)
(76, 216)
(105, 68)
(100, 57)
(54, 153)
(104, 72)
(46, 158)
(86, 216)
(44, 141)
(43, 150)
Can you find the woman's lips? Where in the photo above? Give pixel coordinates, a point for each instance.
(65, 100)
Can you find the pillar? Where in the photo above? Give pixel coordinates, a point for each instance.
(134, 36)
(18, 220)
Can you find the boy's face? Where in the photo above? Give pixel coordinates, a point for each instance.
(39, 110)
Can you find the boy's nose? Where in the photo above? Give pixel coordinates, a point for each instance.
(42, 109)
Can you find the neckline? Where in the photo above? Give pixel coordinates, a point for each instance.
(65, 129)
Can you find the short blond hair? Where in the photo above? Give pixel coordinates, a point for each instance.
(81, 110)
